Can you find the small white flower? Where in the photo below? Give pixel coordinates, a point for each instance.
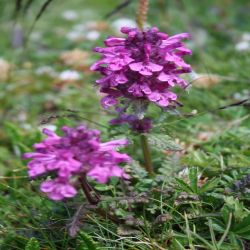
(47, 126)
(237, 96)
(46, 70)
(93, 35)
(36, 35)
(70, 15)
(246, 37)
(26, 126)
(74, 36)
(80, 27)
(69, 75)
(123, 22)
(193, 75)
(242, 46)
(183, 173)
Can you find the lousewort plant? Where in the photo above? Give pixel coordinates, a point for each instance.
(144, 66)
(141, 69)
(79, 152)
(138, 69)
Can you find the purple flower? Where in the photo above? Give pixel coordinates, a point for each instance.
(58, 189)
(78, 152)
(145, 65)
(146, 69)
(138, 125)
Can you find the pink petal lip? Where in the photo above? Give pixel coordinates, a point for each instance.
(163, 102)
(136, 66)
(154, 67)
(154, 97)
(145, 68)
(145, 71)
(114, 41)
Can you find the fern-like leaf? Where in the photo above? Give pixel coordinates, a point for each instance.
(163, 142)
(32, 244)
(85, 242)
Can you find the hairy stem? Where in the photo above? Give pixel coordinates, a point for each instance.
(88, 191)
(142, 13)
(95, 199)
(147, 155)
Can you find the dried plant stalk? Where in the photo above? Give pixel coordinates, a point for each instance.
(142, 13)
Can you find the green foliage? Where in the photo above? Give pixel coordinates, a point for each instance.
(85, 242)
(32, 244)
(193, 187)
(162, 142)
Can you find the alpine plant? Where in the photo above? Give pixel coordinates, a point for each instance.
(143, 68)
(79, 152)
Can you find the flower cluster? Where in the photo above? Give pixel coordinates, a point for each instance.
(143, 66)
(78, 152)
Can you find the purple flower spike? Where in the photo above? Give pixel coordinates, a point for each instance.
(145, 65)
(78, 152)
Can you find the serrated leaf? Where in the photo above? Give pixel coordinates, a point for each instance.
(137, 170)
(163, 142)
(243, 227)
(210, 184)
(12, 131)
(193, 177)
(184, 186)
(23, 147)
(218, 228)
(32, 244)
(225, 212)
(85, 242)
(121, 212)
(103, 187)
(177, 245)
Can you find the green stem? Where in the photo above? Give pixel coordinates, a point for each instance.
(147, 155)
(226, 231)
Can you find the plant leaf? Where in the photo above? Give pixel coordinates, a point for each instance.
(210, 184)
(163, 142)
(86, 242)
(243, 227)
(193, 177)
(183, 185)
(32, 244)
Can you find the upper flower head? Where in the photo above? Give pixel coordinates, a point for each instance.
(78, 152)
(145, 65)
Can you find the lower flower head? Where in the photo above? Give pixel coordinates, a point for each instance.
(78, 152)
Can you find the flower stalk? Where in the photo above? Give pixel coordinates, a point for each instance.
(88, 191)
(93, 198)
(142, 13)
(147, 155)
